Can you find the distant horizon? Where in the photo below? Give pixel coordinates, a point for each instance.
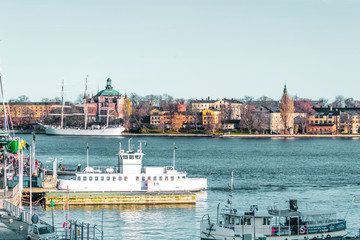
(187, 49)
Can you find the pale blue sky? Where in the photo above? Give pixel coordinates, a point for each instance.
(186, 48)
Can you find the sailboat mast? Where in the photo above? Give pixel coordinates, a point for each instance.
(107, 118)
(4, 108)
(85, 103)
(62, 105)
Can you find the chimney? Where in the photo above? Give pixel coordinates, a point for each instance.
(330, 108)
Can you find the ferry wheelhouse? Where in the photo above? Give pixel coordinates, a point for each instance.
(289, 224)
(131, 175)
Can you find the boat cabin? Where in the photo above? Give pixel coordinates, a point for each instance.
(248, 223)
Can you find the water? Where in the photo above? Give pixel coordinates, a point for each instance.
(321, 173)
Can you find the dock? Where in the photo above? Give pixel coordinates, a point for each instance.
(120, 198)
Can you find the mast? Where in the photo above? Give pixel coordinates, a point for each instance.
(174, 157)
(107, 117)
(4, 108)
(62, 105)
(85, 102)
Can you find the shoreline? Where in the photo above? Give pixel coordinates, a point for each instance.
(241, 136)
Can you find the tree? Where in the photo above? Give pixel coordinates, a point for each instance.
(350, 102)
(347, 120)
(323, 101)
(304, 106)
(301, 122)
(23, 98)
(261, 121)
(177, 121)
(247, 118)
(339, 102)
(286, 110)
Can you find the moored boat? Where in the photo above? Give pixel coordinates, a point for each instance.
(130, 175)
(288, 224)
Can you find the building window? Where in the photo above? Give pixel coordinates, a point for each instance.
(96, 178)
(137, 178)
(108, 178)
(125, 179)
(120, 178)
(102, 178)
(84, 178)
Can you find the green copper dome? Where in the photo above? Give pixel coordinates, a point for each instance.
(108, 91)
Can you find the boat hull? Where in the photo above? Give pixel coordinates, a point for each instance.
(189, 184)
(216, 232)
(84, 132)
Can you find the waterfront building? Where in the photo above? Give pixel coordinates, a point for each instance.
(107, 102)
(231, 109)
(211, 116)
(29, 112)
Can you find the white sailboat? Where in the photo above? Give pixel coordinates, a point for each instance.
(93, 131)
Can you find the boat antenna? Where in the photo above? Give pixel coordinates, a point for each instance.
(352, 203)
(231, 188)
(129, 141)
(87, 155)
(174, 156)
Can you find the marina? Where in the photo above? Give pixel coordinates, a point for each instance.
(258, 179)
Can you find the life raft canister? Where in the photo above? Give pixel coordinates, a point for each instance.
(302, 230)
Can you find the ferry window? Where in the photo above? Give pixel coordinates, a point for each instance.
(79, 178)
(237, 221)
(183, 177)
(264, 221)
(231, 220)
(166, 178)
(114, 178)
(108, 178)
(131, 156)
(120, 178)
(96, 178)
(160, 178)
(178, 177)
(90, 178)
(248, 221)
(172, 178)
(84, 178)
(137, 178)
(227, 219)
(242, 221)
(125, 178)
(268, 221)
(155, 178)
(102, 178)
(137, 157)
(125, 157)
(143, 178)
(149, 178)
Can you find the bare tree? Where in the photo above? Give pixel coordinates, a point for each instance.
(339, 101)
(301, 121)
(177, 121)
(261, 121)
(247, 118)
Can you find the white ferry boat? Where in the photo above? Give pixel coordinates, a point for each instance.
(130, 175)
(289, 224)
(102, 131)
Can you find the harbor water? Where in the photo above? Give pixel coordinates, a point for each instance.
(323, 174)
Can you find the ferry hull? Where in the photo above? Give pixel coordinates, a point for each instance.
(84, 132)
(189, 184)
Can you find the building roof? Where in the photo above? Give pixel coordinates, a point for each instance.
(203, 101)
(108, 91)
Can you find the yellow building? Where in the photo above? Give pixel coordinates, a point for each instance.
(28, 112)
(211, 116)
(159, 117)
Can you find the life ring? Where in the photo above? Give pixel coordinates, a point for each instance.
(302, 230)
(328, 236)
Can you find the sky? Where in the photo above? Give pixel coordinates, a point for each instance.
(184, 48)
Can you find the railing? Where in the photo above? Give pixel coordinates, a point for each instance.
(80, 230)
(17, 212)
